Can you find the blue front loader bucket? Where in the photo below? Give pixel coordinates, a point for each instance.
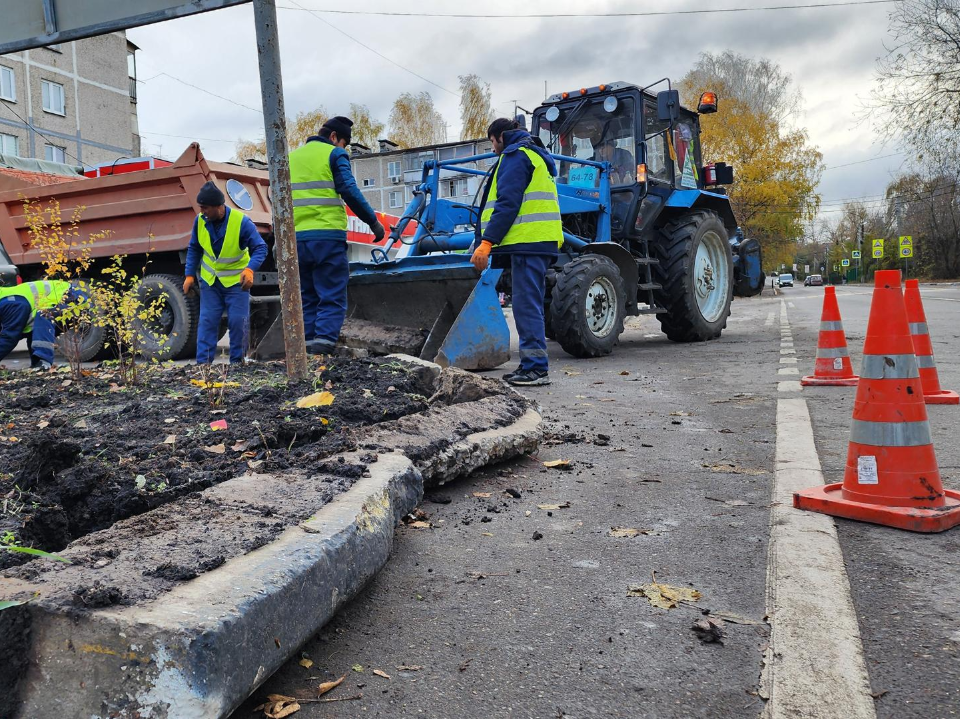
(433, 307)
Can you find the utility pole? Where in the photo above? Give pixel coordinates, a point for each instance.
(863, 234)
(285, 239)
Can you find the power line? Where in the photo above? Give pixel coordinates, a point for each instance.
(204, 90)
(374, 50)
(187, 137)
(860, 162)
(650, 13)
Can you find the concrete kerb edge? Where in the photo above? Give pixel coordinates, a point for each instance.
(201, 649)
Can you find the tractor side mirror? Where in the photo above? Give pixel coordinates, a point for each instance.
(724, 173)
(668, 104)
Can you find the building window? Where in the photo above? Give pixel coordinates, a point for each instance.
(393, 168)
(369, 182)
(8, 144)
(8, 88)
(53, 101)
(55, 153)
(132, 75)
(396, 199)
(457, 187)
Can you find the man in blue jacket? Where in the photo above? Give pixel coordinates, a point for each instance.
(226, 249)
(28, 311)
(520, 219)
(321, 180)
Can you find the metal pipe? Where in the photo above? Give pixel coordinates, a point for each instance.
(285, 239)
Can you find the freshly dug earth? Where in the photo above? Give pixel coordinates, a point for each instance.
(78, 456)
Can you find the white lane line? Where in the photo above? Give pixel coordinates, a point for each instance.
(787, 351)
(814, 664)
(788, 371)
(788, 361)
(770, 318)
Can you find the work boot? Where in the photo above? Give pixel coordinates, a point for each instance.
(529, 377)
(507, 376)
(38, 364)
(320, 347)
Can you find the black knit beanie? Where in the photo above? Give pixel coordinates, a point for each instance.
(210, 195)
(341, 126)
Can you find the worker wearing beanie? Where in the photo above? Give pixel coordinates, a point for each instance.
(226, 249)
(322, 181)
(520, 220)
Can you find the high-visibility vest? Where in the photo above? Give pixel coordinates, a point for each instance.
(227, 266)
(42, 295)
(539, 217)
(316, 205)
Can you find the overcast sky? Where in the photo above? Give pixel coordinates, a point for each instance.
(830, 52)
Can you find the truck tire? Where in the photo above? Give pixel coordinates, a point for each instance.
(587, 306)
(547, 321)
(174, 334)
(696, 277)
(91, 343)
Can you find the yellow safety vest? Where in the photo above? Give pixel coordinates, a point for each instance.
(316, 205)
(42, 295)
(232, 260)
(539, 217)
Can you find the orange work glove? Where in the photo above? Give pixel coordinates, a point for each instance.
(188, 282)
(481, 256)
(246, 279)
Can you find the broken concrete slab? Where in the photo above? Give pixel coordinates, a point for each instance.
(197, 648)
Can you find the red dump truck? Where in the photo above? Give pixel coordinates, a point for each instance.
(148, 215)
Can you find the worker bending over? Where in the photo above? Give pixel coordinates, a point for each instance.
(321, 181)
(28, 311)
(226, 248)
(520, 219)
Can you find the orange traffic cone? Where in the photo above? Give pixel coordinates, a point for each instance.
(832, 366)
(933, 394)
(891, 476)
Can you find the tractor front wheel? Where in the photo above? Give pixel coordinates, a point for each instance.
(587, 306)
(696, 277)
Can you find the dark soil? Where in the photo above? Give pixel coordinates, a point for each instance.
(77, 456)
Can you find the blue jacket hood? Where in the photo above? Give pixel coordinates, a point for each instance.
(513, 140)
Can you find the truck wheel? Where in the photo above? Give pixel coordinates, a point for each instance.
(86, 343)
(587, 306)
(696, 277)
(173, 335)
(547, 320)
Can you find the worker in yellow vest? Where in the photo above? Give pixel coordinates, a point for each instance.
(226, 249)
(28, 311)
(520, 220)
(321, 181)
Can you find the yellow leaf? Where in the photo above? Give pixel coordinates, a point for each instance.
(625, 532)
(318, 399)
(420, 524)
(306, 662)
(557, 463)
(561, 506)
(481, 495)
(212, 384)
(328, 686)
(662, 595)
(381, 673)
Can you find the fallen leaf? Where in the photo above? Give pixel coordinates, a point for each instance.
(254, 464)
(367, 393)
(219, 425)
(80, 424)
(317, 399)
(572, 373)
(326, 687)
(169, 420)
(709, 630)
(241, 445)
(557, 463)
(210, 384)
(140, 481)
(357, 668)
(561, 506)
(680, 413)
(281, 698)
(410, 668)
(381, 673)
(42, 424)
(624, 372)
(328, 385)
(218, 449)
(170, 440)
(487, 534)
(281, 710)
(306, 662)
(662, 595)
(66, 383)
(527, 513)
(482, 495)
(420, 524)
(115, 388)
(625, 532)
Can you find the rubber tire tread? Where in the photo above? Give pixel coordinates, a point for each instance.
(683, 322)
(568, 306)
(184, 345)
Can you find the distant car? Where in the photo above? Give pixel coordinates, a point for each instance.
(8, 271)
(813, 280)
(786, 280)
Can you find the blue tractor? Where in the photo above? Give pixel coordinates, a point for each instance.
(648, 230)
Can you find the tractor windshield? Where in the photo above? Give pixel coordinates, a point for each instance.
(601, 130)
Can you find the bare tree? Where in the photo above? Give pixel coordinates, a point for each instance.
(918, 82)
(299, 129)
(414, 121)
(366, 129)
(760, 83)
(476, 113)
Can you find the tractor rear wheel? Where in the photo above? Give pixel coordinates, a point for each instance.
(696, 277)
(587, 306)
(173, 334)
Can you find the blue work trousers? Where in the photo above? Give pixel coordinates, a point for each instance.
(214, 299)
(324, 272)
(529, 283)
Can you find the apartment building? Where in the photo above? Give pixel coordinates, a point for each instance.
(73, 103)
(387, 177)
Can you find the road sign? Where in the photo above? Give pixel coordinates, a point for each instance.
(794, 267)
(806, 269)
(855, 254)
(906, 251)
(878, 248)
(845, 262)
(836, 268)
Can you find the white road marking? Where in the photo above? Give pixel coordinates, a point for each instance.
(770, 317)
(814, 664)
(788, 371)
(786, 343)
(787, 351)
(788, 361)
